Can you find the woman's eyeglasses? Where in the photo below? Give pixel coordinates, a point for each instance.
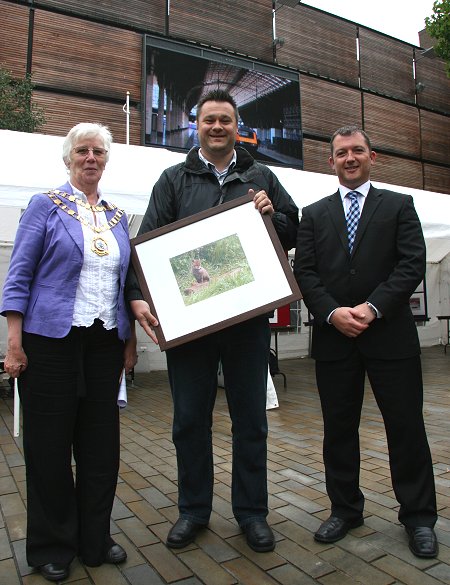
(84, 151)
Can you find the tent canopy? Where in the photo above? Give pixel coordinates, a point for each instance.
(32, 163)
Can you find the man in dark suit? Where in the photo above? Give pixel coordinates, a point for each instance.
(356, 281)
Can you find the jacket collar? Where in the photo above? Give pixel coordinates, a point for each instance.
(193, 163)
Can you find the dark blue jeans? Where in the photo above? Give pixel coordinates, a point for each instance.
(243, 350)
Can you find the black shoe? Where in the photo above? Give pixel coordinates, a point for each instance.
(115, 555)
(259, 536)
(336, 528)
(54, 571)
(182, 533)
(422, 541)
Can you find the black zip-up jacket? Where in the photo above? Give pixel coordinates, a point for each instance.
(190, 187)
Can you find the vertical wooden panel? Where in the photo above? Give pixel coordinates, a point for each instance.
(326, 106)
(244, 27)
(433, 85)
(14, 38)
(435, 130)
(436, 178)
(397, 171)
(386, 65)
(317, 42)
(315, 157)
(86, 57)
(392, 125)
(149, 15)
(64, 111)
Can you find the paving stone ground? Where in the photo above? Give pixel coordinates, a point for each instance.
(374, 554)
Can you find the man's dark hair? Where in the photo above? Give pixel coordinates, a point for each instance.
(348, 131)
(217, 95)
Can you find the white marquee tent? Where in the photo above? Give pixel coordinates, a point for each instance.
(32, 163)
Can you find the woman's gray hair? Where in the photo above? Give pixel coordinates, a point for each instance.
(86, 130)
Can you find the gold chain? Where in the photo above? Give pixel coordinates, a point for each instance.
(54, 196)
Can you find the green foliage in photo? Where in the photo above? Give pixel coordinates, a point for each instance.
(225, 262)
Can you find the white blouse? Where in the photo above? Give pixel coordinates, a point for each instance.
(98, 287)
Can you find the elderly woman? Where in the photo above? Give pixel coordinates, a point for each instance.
(69, 339)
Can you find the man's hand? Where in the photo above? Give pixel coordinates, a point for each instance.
(351, 321)
(262, 202)
(364, 309)
(146, 320)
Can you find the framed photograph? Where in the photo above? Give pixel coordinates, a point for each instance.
(212, 270)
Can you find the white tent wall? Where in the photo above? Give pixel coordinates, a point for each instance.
(128, 180)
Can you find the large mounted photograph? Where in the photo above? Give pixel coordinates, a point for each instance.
(212, 270)
(268, 98)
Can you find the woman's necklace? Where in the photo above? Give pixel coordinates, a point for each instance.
(98, 245)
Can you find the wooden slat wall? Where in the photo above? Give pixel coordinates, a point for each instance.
(436, 85)
(13, 38)
(326, 106)
(63, 111)
(397, 171)
(315, 157)
(436, 178)
(244, 27)
(318, 43)
(386, 65)
(146, 14)
(392, 125)
(84, 57)
(435, 137)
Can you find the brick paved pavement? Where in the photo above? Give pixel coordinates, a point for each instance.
(374, 554)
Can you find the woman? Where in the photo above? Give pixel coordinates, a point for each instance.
(69, 338)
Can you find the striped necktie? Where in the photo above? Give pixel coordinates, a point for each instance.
(352, 218)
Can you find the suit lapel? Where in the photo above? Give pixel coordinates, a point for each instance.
(72, 225)
(337, 214)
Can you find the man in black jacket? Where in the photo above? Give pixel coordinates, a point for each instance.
(215, 173)
(357, 270)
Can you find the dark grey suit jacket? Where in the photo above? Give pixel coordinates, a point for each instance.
(386, 266)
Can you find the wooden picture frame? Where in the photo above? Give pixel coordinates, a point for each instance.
(212, 270)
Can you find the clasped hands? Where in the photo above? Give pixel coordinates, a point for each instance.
(352, 321)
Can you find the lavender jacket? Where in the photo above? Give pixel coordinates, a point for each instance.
(45, 268)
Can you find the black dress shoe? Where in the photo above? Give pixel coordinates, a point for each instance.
(54, 571)
(259, 536)
(116, 554)
(182, 533)
(336, 528)
(422, 541)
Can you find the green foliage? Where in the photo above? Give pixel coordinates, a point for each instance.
(17, 111)
(225, 262)
(240, 276)
(438, 27)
